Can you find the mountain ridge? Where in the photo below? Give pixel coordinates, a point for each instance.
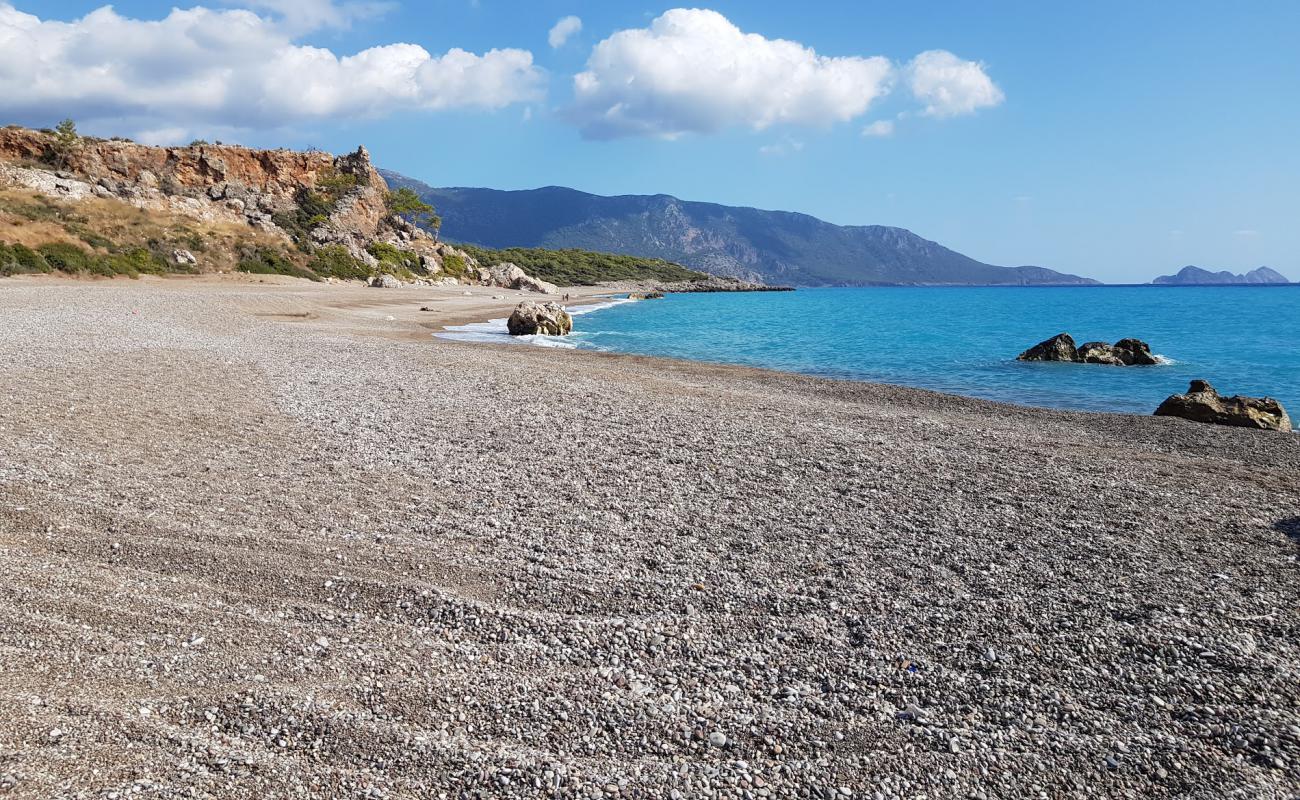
(786, 247)
(1191, 275)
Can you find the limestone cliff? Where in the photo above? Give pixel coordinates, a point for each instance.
(312, 200)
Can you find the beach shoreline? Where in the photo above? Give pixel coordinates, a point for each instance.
(267, 537)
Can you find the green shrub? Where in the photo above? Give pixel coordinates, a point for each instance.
(395, 261)
(265, 261)
(336, 262)
(406, 203)
(582, 267)
(334, 184)
(66, 257)
(17, 259)
(139, 261)
(454, 265)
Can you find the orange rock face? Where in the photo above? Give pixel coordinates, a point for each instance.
(263, 181)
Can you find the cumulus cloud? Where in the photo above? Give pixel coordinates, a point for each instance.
(950, 86)
(693, 71)
(302, 16)
(562, 30)
(203, 68)
(879, 129)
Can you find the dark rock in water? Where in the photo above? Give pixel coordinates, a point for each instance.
(547, 319)
(1203, 403)
(1124, 353)
(645, 296)
(1135, 352)
(1058, 348)
(1099, 353)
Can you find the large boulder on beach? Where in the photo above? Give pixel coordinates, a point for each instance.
(511, 276)
(547, 319)
(1203, 403)
(1058, 348)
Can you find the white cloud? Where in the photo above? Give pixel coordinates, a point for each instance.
(562, 30)
(302, 16)
(202, 68)
(949, 86)
(782, 148)
(163, 136)
(693, 71)
(1246, 233)
(880, 128)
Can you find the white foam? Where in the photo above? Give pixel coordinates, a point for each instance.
(1163, 360)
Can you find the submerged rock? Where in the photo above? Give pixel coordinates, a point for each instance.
(1203, 403)
(547, 319)
(1058, 348)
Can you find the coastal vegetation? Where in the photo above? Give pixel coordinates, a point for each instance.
(314, 206)
(108, 237)
(571, 267)
(406, 204)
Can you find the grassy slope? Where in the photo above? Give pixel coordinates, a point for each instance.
(106, 236)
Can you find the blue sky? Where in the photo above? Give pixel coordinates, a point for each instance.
(1118, 140)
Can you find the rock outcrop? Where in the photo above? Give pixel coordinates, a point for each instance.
(511, 276)
(645, 296)
(1124, 353)
(1061, 347)
(219, 181)
(312, 199)
(1203, 403)
(547, 319)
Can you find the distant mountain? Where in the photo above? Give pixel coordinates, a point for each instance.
(776, 247)
(1193, 276)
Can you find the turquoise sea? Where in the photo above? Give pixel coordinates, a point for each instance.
(965, 340)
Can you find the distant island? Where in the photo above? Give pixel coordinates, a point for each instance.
(1195, 276)
(775, 247)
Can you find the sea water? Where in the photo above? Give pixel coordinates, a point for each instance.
(964, 340)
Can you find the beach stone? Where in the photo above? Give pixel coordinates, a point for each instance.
(1203, 403)
(548, 319)
(1058, 348)
(384, 282)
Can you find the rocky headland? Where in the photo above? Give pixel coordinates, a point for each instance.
(310, 214)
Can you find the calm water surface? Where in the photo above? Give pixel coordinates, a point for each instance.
(965, 340)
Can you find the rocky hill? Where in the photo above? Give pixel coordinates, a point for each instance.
(747, 243)
(77, 204)
(1196, 276)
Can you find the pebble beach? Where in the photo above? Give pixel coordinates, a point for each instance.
(277, 540)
